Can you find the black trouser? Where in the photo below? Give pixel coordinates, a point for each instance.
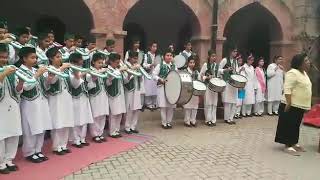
(288, 128)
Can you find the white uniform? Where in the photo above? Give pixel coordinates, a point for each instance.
(166, 108)
(36, 123)
(260, 96)
(42, 59)
(61, 111)
(150, 85)
(250, 87)
(186, 54)
(82, 112)
(133, 102)
(230, 95)
(99, 106)
(10, 123)
(12, 59)
(117, 106)
(211, 97)
(275, 87)
(191, 108)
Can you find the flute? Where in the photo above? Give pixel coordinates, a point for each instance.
(21, 74)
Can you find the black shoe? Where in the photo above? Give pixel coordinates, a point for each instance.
(193, 125)
(114, 136)
(275, 113)
(96, 139)
(226, 121)
(214, 124)
(134, 131)
(77, 145)
(4, 171)
(169, 126)
(209, 123)
(34, 158)
(187, 125)
(12, 168)
(250, 115)
(164, 126)
(67, 151)
(233, 122)
(270, 114)
(128, 132)
(230, 122)
(119, 135)
(103, 139)
(42, 156)
(85, 144)
(59, 153)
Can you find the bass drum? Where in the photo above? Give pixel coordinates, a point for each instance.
(179, 87)
(180, 61)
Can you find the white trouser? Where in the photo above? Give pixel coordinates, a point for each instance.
(8, 150)
(273, 106)
(32, 144)
(190, 116)
(150, 100)
(238, 110)
(259, 108)
(97, 127)
(210, 112)
(246, 109)
(60, 138)
(79, 134)
(132, 119)
(229, 111)
(115, 121)
(166, 115)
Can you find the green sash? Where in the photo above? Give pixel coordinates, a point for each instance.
(11, 81)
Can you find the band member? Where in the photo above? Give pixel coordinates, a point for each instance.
(34, 106)
(210, 70)
(261, 88)
(22, 35)
(275, 75)
(116, 95)
(60, 103)
(10, 125)
(78, 41)
(98, 98)
(171, 47)
(241, 92)
(150, 85)
(51, 36)
(81, 105)
(110, 46)
(227, 67)
(6, 39)
(159, 74)
(69, 46)
(250, 88)
(187, 52)
(135, 48)
(44, 43)
(133, 93)
(191, 108)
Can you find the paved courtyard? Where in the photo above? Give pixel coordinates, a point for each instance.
(243, 151)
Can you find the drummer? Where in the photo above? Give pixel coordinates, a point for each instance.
(191, 108)
(229, 66)
(208, 71)
(160, 73)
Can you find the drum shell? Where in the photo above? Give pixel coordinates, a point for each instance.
(216, 88)
(237, 84)
(186, 88)
(198, 92)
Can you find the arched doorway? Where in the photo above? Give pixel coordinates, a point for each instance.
(252, 29)
(62, 16)
(165, 21)
(135, 31)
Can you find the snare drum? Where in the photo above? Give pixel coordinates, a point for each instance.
(238, 81)
(179, 87)
(199, 88)
(180, 61)
(217, 85)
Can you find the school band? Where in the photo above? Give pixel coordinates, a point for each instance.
(73, 93)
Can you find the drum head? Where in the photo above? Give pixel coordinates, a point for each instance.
(200, 86)
(180, 61)
(239, 78)
(218, 82)
(173, 87)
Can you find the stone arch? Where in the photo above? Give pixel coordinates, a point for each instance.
(278, 10)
